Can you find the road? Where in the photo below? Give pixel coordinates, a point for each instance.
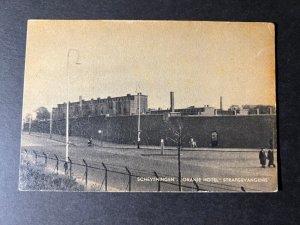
(214, 169)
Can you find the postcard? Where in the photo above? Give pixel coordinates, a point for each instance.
(149, 106)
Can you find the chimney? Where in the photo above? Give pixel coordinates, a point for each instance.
(172, 101)
(221, 104)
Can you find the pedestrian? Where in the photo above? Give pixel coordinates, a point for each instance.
(271, 158)
(66, 167)
(194, 144)
(90, 141)
(271, 143)
(262, 158)
(191, 142)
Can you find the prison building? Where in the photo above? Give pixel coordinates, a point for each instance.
(112, 106)
(192, 110)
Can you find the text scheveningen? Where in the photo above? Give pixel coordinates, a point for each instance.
(151, 179)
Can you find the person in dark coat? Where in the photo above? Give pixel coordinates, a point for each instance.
(90, 141)
(271, 158)
(262, 158)
(66, 167)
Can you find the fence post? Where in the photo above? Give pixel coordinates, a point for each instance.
(162, 146)
(129, 181)
(158, 188)
(66, 167)
(56, 163)
(26, 153)
(105, 177)
(35, 156)
(70, 161)
(86, 172)
(45, 155)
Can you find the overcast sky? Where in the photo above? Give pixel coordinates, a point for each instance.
(199, 61)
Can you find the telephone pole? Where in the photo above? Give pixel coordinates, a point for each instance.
(51, 118)
(67, 106)
(179, 160)
(139, 120)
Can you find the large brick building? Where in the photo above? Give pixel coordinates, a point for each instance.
(116, 106)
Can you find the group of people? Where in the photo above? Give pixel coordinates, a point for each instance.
(263, 158)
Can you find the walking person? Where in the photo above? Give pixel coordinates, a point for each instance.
(90, 141)
(262, 158)
(192, 142)
(271, 158)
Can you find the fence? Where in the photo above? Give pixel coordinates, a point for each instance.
(100, 176)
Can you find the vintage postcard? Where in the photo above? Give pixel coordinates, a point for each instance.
(149, 106)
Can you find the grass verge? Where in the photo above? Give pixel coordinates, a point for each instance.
(37, 178)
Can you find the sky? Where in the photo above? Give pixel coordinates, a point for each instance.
(199, 61)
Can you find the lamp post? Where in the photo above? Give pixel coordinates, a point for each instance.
(101, 134)
(139, 120)
(67, 109)
(162, 146)
(29, 126)
(179, 160)
(51, 120)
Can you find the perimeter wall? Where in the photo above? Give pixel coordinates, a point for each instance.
(253, 131)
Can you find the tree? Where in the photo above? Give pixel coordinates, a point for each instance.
(27, 118)
(42, 113)
(235, 108)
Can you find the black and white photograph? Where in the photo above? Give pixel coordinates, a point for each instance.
(149, 106)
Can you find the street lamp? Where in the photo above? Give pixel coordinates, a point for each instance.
(51, 122)
(139, 120)
(179, 160)
(67, 110)
(29, 125)
(101, 134)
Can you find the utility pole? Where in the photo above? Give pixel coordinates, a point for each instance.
(179, 160)
(67, 107)
(100, 132)
(67, 127)
(29, 127)
(51, 123)
(139, 120)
